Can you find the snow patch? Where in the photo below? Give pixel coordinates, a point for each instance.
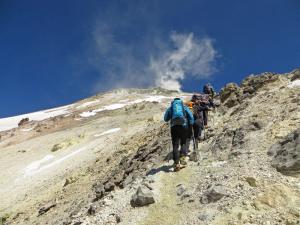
(88, 114)
(158, 98)
(41, 165)
(124, 100)
(108, 132)
(36, 165)
(294, 84)
(27, 130)
(12, 122)
(111, 107)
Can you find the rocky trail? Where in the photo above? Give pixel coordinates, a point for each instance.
(108, 162)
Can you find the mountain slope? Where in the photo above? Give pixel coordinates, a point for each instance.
(84, 167)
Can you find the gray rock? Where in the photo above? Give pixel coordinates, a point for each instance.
(77, 223)
(91, 210)
(23, 122)
(118, 219)
(213, 194)
(255, 82)
(194, 156)
(286, 153)
(251, 181)
(142, 197)
(109, 186)
(46, 208)
(99, 190)
(186, 195)
(207, 215)
(180, 189)
(231, 95)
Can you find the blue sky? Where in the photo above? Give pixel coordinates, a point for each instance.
(55, 52)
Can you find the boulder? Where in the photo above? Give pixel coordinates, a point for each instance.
(142, 197)
(286, 154)
(231, 95)
(251, 84)
(23, 122)
(213, 194)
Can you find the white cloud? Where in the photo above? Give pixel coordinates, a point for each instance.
(146, 64)
(190, 57)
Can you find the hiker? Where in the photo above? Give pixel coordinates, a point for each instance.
(198, 110)
(209, 90)
(181, 117)
(205, 104)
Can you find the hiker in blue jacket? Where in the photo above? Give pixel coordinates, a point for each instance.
(180, 118)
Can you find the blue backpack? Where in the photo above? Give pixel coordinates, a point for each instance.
(178, 112)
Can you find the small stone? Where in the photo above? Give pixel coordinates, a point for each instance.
(251, 181)
(22, 151)
(77, 223)
(180, 189)
(194, 156)
(207, 215)
(118, 219)
(186, 195)
(148, 186)
(91, 210)
(46, 208)
(108, 187)
(99, 190)
(213, 194)
(142, 197)
(23, 122)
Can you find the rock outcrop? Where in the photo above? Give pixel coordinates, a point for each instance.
(231, 95)
(286, 154)
(23, 122)
(252, 84)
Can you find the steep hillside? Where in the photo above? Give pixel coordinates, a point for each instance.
(84, 165)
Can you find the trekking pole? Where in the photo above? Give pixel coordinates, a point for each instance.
(194, 141)
(204, 133)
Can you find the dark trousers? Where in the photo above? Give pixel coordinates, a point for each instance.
(179, 136)
(205, 117)
(196, 129)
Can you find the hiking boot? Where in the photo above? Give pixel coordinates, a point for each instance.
(178, 167)
(182, 160)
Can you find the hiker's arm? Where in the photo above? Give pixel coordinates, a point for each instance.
(167, 116)
(202, 108)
